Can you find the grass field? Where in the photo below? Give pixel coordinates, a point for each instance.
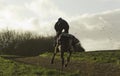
(82, 64)
(12, 68)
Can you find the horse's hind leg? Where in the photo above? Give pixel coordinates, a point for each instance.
(68, 58)
(55, 52)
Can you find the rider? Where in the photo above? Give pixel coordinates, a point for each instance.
(61, 25)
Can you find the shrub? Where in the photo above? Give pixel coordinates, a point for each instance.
(26, 44)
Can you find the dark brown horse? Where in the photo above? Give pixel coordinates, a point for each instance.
(66, 43)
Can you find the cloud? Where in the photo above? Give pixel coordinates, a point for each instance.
(34, 15)
(97, 29)
(44, 8)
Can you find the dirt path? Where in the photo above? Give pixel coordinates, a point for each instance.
(85, 68)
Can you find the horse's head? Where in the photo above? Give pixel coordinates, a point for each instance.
(78, 48)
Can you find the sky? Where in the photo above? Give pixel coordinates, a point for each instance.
(94, 22)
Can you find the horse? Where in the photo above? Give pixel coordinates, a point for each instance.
(66, 43)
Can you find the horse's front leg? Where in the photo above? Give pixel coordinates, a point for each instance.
(55, 52)
(62, 58)
(68, 58)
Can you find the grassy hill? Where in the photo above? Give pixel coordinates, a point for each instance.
(100, 63)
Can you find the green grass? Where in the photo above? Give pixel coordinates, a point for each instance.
(12, 68)
(99, 63)
(97, 59)
(93, 57)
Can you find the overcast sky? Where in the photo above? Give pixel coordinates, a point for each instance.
(94, 22)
